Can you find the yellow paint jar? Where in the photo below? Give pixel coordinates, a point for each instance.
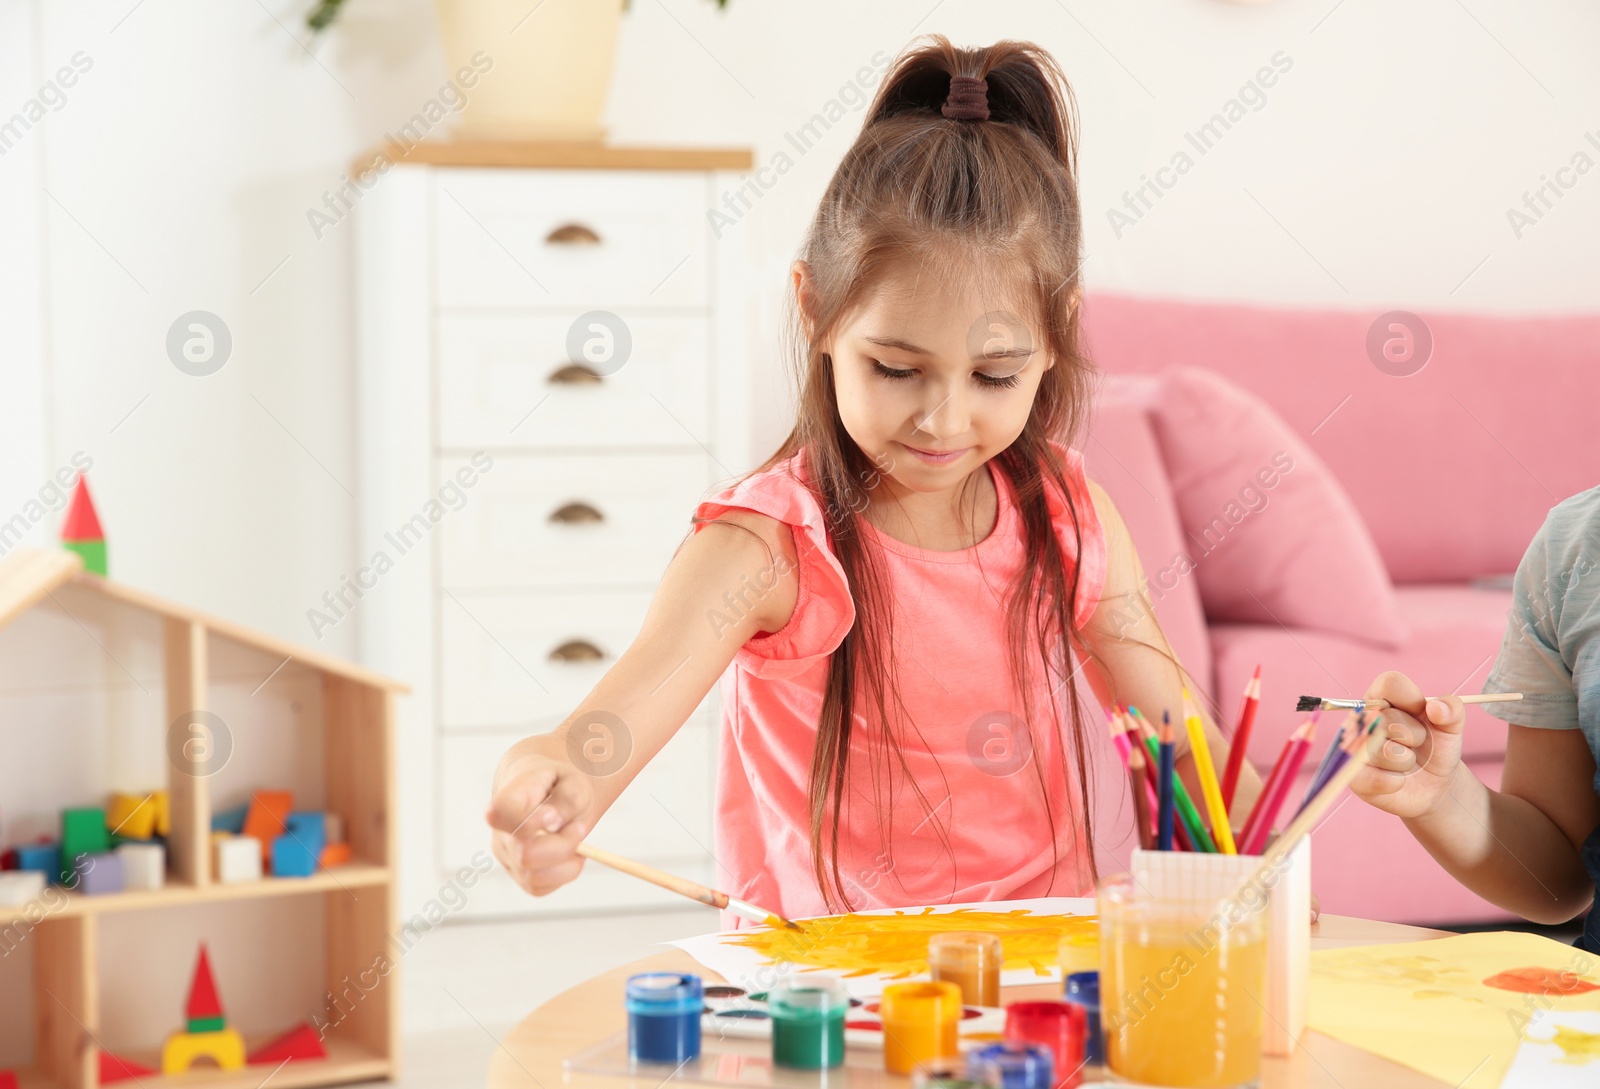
(971, 961)
(1078, 953)
(919, 1024)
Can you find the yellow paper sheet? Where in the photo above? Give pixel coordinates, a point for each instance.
(1425, 1004)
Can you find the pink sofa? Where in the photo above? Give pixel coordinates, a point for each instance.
(1452, 468)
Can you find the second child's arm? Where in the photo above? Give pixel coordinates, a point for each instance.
(543, 800)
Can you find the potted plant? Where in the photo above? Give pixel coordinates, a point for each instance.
(525, 69)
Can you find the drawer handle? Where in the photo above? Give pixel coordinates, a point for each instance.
(575, 374)
(577, 650)
(578, 513)
(572, 234)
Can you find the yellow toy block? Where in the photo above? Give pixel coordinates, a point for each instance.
(132, 815)
(225, 1046)
(163, 813)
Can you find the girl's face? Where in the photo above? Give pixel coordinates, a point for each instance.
(933, 379)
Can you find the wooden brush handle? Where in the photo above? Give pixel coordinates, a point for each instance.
(1482, 697)
(671, 882)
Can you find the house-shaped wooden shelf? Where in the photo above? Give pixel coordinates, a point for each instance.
(93, 675)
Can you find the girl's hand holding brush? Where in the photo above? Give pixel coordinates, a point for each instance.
(1415, 751)
(537, 814)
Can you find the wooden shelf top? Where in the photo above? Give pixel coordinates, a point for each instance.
(569, 155)
(57, 902)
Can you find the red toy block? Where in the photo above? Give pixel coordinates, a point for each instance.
(265, 820)
(8, 1080)
(113, 1068)
(300, 1042)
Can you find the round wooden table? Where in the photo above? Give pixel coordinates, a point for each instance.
(530, 1055)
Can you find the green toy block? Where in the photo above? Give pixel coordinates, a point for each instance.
(205, 1024)
(93, 553)
(83, 832)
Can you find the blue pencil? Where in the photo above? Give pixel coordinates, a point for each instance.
(1336, 758)
(1322, 772)
(1165, 793)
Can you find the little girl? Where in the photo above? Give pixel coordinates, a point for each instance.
(1533, 846)
(909, 588)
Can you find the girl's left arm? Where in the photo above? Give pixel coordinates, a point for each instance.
(1129, 661)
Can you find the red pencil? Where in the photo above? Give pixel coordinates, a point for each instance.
(1241, 738)
(1272, 784)
(1141, 800)
(1294, 756)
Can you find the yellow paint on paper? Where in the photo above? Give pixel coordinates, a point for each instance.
(1424, 1004)
(1577, 1047)
(896, 946)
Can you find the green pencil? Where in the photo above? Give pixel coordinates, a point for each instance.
(1186, 810)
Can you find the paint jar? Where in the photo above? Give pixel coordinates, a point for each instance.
(1078, 953)
(1183, 979)
(664, 1016)
(1059, 1026)
(1012, 1064)
(971, 961)
(1083, 989)
(943, 1074)
(919, 1024)
(808, 1022)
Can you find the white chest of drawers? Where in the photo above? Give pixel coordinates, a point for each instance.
(528, 489)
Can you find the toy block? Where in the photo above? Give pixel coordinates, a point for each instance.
(264, 821)
(115, 1068)
(309, 828)
(300, 1042)
(334, 854)
(81, 532)
(203, 998)
(235, 859)
(8, 1080)
(292, 858)
(21, 886)
(163, 813)
(144, 865)
(225, 1048)
(207, 1024)
(44, 857)
(8, 859)
(98, 874)
(333, 824)
(131, 816)
(83, 832)
(230, 820)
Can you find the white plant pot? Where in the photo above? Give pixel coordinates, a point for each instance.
(549, 71)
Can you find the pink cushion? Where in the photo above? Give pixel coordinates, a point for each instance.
(1504, 410)
(1456, 632)
(1121, 455)
(1272, 536)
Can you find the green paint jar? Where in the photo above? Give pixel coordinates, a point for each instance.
(808, 1022)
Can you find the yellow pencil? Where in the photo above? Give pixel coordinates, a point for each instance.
(1208, 777)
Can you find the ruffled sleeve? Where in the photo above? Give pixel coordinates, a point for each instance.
(1092, 558)
(823, 610)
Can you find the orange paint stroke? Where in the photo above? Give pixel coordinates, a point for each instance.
(1545, 981)
(896, 946)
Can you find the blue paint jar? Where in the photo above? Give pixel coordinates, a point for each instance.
(1012, 1064)
(664, 1016)
(1083, 989)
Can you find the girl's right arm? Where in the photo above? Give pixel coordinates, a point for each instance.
(547, 794)
(1517, 847)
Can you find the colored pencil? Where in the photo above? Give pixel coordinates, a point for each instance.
(1141, 799)
(1329, 703)
(1188, 815)
(1352, 735)
(1136, 727)
(1320, 776)
(1209, 788)
(1302, 824)
(1271, 805)
(684, 887)
(1241, 737)
(1169, 779)
(1273, 779)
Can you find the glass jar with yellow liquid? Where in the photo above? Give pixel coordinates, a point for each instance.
(1181, 987)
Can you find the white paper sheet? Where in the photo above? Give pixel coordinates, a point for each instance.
(1543, 1064)
(745, 967)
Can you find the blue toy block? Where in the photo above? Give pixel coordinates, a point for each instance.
(309, 828)
(41, 856)
(230, 820)
(291, 858)
(99, 873)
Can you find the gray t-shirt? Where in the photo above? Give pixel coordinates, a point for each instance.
(1551, 649)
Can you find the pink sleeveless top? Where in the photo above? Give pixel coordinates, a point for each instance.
(970, 750)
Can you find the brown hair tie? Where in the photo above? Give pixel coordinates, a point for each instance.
(968, 99)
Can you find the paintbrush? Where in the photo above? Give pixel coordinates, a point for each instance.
(1328, 703)
(684, 887)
